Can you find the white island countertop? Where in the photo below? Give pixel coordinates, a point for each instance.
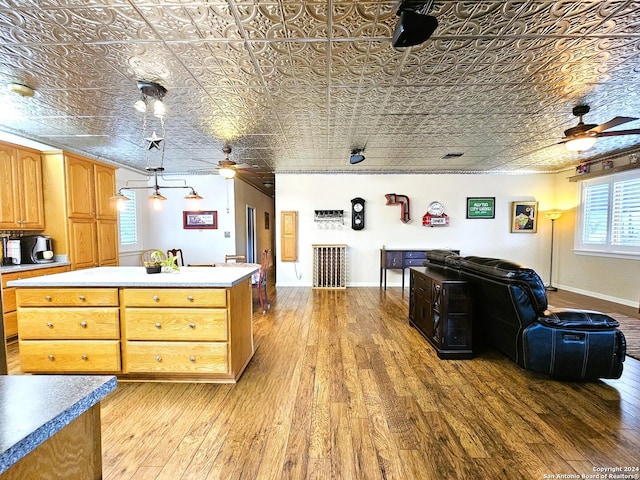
(203, 277)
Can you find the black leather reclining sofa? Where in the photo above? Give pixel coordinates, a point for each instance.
(511, 314)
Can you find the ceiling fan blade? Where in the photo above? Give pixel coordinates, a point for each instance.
(633, 131)
(243, 165)
(614, 122)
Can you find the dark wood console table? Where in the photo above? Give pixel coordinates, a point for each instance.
(440, 309)
(401, 259)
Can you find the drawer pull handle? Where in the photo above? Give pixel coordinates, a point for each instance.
(49, 324)
(48, 298)
(192, 325)
(83, 324)
(156, 298)
(82, 298)
(158, 325)
(192, 359)
(52, 358)
(158, 358)
(190, 298)
(84, 357)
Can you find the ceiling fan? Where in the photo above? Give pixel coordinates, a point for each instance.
(228, 168)
(584, 135)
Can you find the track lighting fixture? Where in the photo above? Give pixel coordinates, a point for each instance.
(356, 156)
(414, 25)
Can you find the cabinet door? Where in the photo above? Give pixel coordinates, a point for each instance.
(289, 236)
(80, 188)
(105, 181)
(107, 234)
(84, 250)
(31, 190)
(9, 202)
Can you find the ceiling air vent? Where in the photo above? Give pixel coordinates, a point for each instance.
(453, 155)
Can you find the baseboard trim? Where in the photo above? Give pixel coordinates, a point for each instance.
(608, 298)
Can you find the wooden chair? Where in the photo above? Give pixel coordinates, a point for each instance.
(177, 253)
(235, 258)
(261, 283)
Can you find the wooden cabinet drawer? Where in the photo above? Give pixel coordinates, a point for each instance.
(192, 324)
(70, 356)
(38, 272)
(69, 323)
(10, 324)
(415, 255)
(414, 262)
(421, 283)
(176, 357)
(8, 299)
(175, 297)
(46, 297)
(393, 259)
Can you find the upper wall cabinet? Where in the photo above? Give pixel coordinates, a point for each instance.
(82, 218)
(21, 197)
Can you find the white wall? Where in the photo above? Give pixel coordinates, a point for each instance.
(610, 278)
(484, 237)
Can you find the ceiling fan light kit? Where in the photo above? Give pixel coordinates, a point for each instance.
(580, 144)
(583, 136)
(227, 172)
(21, 89)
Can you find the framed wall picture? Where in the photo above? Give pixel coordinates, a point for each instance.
(200, 219)
(266, 220)
(481, 207)
(524, 217)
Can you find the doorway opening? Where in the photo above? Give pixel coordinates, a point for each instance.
(251, 235)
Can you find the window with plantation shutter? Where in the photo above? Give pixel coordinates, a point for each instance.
(128, 220)
(609, 220)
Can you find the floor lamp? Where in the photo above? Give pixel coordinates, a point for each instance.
(552, 215)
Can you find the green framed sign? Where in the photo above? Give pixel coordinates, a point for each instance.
(481, 207)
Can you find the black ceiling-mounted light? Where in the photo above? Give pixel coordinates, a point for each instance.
(356, 156)
(415, 25)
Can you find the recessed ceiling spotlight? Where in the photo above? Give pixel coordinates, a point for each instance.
(20, 89)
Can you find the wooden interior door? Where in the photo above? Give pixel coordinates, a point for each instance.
(289, 236)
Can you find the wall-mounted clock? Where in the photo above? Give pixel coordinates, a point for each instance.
(357, 213)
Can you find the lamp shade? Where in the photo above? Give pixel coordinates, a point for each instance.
(553, 214)
(581, 143)
(227, 172)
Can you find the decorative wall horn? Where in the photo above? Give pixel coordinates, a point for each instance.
(403, 201)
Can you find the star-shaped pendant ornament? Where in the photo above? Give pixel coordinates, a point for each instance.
(154, 141)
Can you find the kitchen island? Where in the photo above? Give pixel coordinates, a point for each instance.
(50, 426)
(191, 325)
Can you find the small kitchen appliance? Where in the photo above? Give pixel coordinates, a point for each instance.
(37, 249)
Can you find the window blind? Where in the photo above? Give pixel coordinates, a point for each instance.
(625, 228)
(128, 220)
(610, 215)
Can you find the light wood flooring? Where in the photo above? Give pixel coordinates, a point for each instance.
(341, 387)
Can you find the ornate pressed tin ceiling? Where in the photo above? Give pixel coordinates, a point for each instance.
(296, 85)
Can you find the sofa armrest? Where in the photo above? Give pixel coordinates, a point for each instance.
(574, 319)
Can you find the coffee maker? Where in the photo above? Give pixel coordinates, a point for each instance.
(37, 249)
(11, 251)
